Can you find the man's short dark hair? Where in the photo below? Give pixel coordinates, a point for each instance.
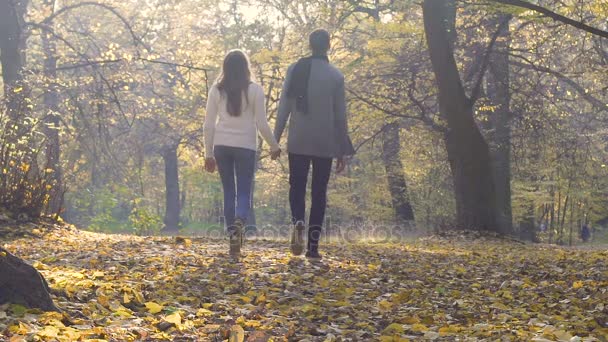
(319, 41)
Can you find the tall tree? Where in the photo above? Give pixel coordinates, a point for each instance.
(12, 45)
(172, 209)
(468, 152)
(499, 95)
(391, 142)
(391, 158)
(51, 120)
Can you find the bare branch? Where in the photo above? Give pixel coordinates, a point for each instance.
(555, 16)
(111, 9)
(486, 59)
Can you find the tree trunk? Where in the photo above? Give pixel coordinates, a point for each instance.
(172, 207)
(528, 226)
(468, 152)
(500, 119)
(51, 128)
(20, 283)
(391, 147)
(391, 156)
(12, 45)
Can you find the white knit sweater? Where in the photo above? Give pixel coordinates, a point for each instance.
(221, 128)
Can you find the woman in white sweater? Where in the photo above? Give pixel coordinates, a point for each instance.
(236, 111)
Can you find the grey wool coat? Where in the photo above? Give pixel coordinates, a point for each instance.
(323, 131)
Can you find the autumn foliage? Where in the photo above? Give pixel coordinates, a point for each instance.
(117, 287)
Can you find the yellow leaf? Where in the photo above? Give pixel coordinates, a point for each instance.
(98, 274)
(19, 329)
(393, 329)
(40, 266)
(103, 300)
(49, 331)
(139, 297)
(308, 307)
(419, 328)
(253, 323)
(562, 335)
(260, 299)
(385, 305)
(123, 312)
(450, 329)
(204, 312)
(577, 284)
(70, 334)
(393, 339)
(154, 308)
(174, 318)
(126, 298)
(322, 282)
(237, 334)
(245, 299)
(409, 320)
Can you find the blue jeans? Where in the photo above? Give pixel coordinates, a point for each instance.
(239, 163)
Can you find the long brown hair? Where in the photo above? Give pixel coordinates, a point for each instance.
(234, 80)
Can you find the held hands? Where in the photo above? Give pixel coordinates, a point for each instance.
(210, 165)
(274, 155)
(340, 164)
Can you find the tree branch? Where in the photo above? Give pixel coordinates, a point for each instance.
(595, 102)
(555, 16)
(486, 59)
(111, 9)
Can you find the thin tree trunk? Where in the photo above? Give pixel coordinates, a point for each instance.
(500, 119)
(563, 221)
(571, 223)
(528, 225)
(172, 207)
(12, 58)
(552, 216)
(391, 147)
(468, 152)
(51, 128)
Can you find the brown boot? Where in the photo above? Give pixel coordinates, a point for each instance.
(297, 238)
(236, 238)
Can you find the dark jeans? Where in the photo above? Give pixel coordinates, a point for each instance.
(299, 165)
(239, 162)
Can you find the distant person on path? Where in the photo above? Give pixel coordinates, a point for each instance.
(585, 233)
(236, 110)
(313, 101)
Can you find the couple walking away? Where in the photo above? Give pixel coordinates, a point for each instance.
(313, 101)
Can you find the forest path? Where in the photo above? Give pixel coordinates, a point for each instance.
(119, 287)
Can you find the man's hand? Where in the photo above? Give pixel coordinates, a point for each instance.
(340, 165)
(210, 165)
(274, 155)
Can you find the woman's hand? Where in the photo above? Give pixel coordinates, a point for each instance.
(341, 164)
(274, 155)
(210, 165)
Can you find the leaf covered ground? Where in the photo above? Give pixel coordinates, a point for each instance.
(117, 288)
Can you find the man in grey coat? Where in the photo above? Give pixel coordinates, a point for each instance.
(313, 101)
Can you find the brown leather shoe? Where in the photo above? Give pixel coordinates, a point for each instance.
(297, 238)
